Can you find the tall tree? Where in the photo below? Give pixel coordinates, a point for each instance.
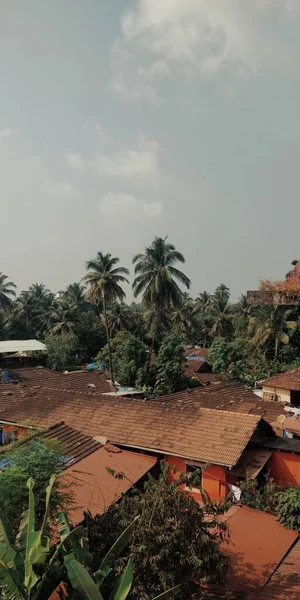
(156, 279)
(74, 295)
(7, 291)
(272, 324)
(104, 280)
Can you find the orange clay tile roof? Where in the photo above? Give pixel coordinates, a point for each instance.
(193, 432)
(232, 397)
(82, 381)
(258, 544)
(94, 489)
(290, 380)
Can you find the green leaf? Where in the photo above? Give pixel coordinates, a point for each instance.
(169, 593)
(80, 580)
(114, 551)
(46, 520)
(110, 471)
(123, 584)
(10, 584)
(6, 532)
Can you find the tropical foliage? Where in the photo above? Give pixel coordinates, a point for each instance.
(176, 540)
(78, 324)
(31, 568)
(38, 459)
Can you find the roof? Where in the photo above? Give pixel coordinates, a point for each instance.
(291, 424)
(258, 544)
(290, 380)
(282, 444)
(232, 397)
(94, 488)
(197, 433)
(20, 346)
(286, 580)
(251, 462)
(77, 381)
(76, 445)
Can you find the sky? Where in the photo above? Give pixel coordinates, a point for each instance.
(125, 120)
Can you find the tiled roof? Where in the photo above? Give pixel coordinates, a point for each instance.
(230, 397)
(76, 445)
(258, 544)
(282, 444)
(94, 488)
(77, 381)
(177, 428)
(290, 380)
(285, 583)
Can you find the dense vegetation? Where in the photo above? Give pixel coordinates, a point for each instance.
(83, 321)
(176, 540)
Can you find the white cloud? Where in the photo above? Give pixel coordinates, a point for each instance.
(56, 188)
(197, 36)
(126, 80)
(140, 161)
(5, 134)
(76, 161)
(126, 207)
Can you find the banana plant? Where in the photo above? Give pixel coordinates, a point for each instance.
(31, 569)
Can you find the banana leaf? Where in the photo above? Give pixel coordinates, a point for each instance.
(80, 580)
(73, 539)
(114, 551)
(6, 532)
(169, 593)
(10, 583)
(123, 584)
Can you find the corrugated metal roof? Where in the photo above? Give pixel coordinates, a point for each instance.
(94, 488)
(21, 346)
(282, 444)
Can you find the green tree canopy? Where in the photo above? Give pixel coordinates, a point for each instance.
(176, 541)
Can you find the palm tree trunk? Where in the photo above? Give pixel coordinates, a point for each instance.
(108, 342)
(155, 332)
(276, 345)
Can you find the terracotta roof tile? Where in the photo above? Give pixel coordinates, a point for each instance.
(94, 489)
(82, 381)
(204, 434)
(230, 397)
(290, 380)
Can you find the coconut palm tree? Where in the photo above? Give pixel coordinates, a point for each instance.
(62, 318)
(272, 323)
(220, 316)
(119, 317)
(74, 295)
(7, 292)
(103, 279)
(156, 279)
(183, 317)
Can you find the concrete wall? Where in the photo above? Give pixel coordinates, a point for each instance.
(285, 467)
(214, 479)
(284, 394)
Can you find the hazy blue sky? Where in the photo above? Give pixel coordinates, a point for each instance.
(122, 120)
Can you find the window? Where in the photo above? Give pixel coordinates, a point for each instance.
(190, 469)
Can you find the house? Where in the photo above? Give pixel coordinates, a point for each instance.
(186, 435)
(197, 365)
(93, 487)
(284, 387)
